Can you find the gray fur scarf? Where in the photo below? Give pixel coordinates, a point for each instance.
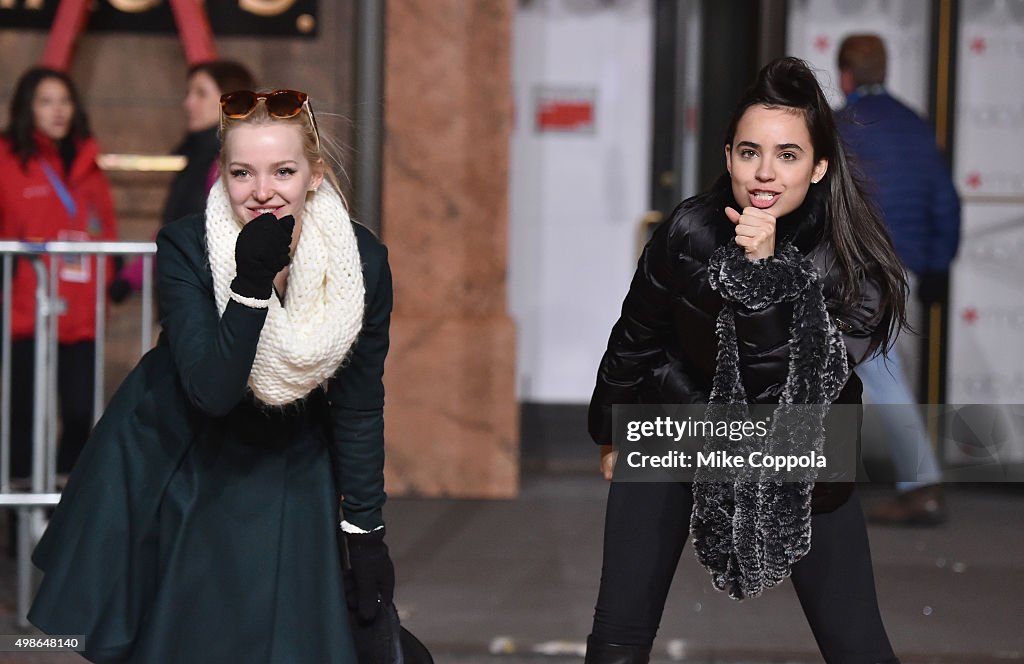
(748, 532)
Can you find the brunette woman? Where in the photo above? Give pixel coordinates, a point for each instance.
(767, 289)
(52, 189)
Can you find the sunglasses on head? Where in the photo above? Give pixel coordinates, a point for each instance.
(281, 104)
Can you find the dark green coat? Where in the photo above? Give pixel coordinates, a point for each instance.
(198, 527)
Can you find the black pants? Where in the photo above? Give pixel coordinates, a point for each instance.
(74, 393)
(647, 525)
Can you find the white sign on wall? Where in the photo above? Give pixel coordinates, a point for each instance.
(815, 28)
(988, 307)
(579, 174)
(987, 304)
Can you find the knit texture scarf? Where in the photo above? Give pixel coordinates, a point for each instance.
(748, 532)
(304, 340)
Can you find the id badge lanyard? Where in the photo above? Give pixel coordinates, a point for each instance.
(73, 267)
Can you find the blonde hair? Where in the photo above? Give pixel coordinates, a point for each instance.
(316, 151)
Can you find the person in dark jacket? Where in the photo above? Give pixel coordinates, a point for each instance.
(767, 289)
(914, 189)
(52, 189)
(202, 522)
(205, 84)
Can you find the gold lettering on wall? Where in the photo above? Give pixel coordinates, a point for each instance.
(266, 7)
(36, 5)
(134, 6)
(305, 23)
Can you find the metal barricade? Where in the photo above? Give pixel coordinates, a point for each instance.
(42, 490)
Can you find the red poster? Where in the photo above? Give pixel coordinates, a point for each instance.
(564, 110)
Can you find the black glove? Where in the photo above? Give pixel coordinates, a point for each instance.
(933, 287)
(119, 290)
(372, 573)
(261, 251)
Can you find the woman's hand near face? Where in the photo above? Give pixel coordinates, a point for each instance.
(755, 231)
(261, 252)
(608, 457)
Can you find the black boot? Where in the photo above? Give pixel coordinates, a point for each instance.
(599, 652)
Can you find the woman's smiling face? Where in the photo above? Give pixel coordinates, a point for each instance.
(771, 160)
(266, 170)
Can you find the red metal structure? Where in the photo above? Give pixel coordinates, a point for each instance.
(194, 31)
(189, 17)
(69, 22)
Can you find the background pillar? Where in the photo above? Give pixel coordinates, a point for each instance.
(451, 405)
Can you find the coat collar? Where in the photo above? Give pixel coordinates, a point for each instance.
(86, 151)
(202, 142)
(865, 91)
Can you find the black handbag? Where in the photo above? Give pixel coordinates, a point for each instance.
(382, 640)
(385, 641)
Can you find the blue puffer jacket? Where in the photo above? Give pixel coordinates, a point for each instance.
(908, 177)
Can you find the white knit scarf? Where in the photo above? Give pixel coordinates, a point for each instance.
(305, 340)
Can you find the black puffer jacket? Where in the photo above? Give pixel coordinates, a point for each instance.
(663, 347)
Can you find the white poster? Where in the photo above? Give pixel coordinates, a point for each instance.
(990, 101)
(579, 179)
(987, 304)
(987, 308)
(815, 28)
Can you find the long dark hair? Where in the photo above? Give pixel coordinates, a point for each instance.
(855, 227)
(21, 121)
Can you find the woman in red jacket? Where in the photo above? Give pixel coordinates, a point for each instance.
(52, 189)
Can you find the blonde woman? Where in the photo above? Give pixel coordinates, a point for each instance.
(202, 522)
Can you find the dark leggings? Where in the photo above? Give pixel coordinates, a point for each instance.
(75, 391)
(646, 527)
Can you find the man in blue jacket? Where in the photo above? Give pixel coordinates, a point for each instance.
(912, 186)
